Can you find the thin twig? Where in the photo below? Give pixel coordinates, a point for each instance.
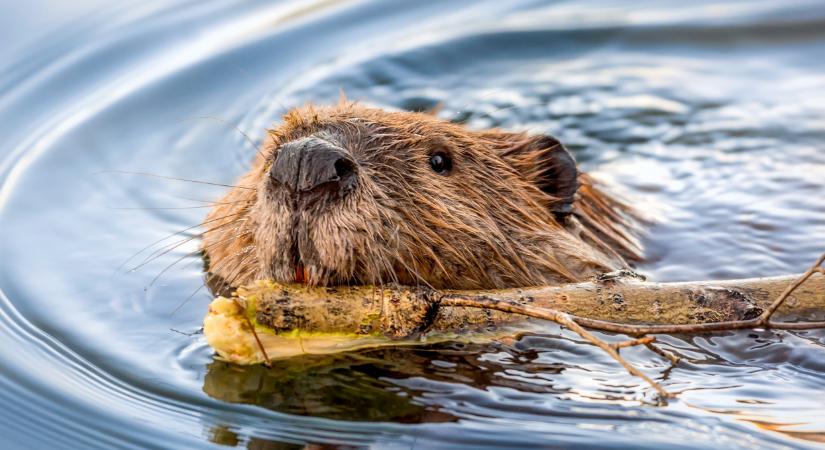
(568, 322)
(765, 317)
(647, 340)
(693, 328)
(664, 354)
(554, 316)
(267, 361)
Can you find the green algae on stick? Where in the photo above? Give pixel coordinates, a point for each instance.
(293, 319)
(228, 333)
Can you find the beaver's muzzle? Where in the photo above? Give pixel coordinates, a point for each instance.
(313, 163)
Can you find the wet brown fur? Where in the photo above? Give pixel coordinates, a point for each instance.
(486, 224)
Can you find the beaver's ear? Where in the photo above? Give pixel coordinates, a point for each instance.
(544, 161)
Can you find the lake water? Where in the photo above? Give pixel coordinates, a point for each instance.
(710, 117)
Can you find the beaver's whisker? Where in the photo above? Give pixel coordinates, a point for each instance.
(228, 259)
(411, 270)
(160, 208)
(220, 284)
(377, 270)
(378, 261)
(193, 262)
(245, 261)
(122, 265)
(156, 251)
(165, 177)
(186, 255)
(227, 239)
(186, 300)
(172, 246)
(232, 276)
(388, 256)
(416, 274)
(249, 140)
(166, 269)
(208, 247)
(386, 262)
(168, 248)
(428, 246)
(212, 202)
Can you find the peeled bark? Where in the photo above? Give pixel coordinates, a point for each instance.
(295, 319)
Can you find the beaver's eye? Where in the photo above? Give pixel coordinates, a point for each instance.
(441, 163)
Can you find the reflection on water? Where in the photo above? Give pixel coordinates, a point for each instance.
(708, 117)
(346, 388)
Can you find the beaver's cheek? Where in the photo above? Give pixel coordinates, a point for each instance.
(274, 241)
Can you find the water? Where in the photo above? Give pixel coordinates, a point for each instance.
(710, 117)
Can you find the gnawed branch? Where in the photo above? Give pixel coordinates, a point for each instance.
(274, 320)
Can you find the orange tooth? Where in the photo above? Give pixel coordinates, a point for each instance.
(300, 273)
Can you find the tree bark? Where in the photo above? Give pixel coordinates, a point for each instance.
(629, 300)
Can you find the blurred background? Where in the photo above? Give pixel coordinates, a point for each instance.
(706, 115)
(23, 24)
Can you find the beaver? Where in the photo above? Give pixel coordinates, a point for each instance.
(349, 194)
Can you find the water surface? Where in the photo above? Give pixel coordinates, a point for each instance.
(709, 117)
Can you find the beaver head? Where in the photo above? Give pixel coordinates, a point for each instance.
(353, 195)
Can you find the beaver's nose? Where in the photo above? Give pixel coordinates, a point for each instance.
(305, 164)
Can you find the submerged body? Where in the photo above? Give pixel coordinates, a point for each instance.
(350, 195)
